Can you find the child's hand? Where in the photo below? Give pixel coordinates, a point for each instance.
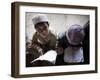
(40, 51)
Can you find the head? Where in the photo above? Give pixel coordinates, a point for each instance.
(41, 25)
(75, 34)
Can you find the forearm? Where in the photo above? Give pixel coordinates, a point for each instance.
(37, 47)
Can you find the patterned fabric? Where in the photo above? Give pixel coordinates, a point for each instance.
(46, 44)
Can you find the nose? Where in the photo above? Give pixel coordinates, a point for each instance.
(44, 31)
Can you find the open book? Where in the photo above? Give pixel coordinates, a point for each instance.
(47, 59)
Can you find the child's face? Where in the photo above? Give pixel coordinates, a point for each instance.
(76, 36)
(42, 29)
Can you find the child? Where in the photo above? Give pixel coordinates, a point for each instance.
(43, 39)
(70, 46)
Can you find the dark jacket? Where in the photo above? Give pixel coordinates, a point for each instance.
(86, 44)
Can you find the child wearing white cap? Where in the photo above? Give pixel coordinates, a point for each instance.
(43, 40)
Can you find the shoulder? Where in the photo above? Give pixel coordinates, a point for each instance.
(53, 33)
(34, 36)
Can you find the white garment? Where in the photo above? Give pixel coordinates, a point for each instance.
(73, 55)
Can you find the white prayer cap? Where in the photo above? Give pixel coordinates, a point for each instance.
(75, 34)
(39, 18)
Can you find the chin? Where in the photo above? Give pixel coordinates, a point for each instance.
(45, 35)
